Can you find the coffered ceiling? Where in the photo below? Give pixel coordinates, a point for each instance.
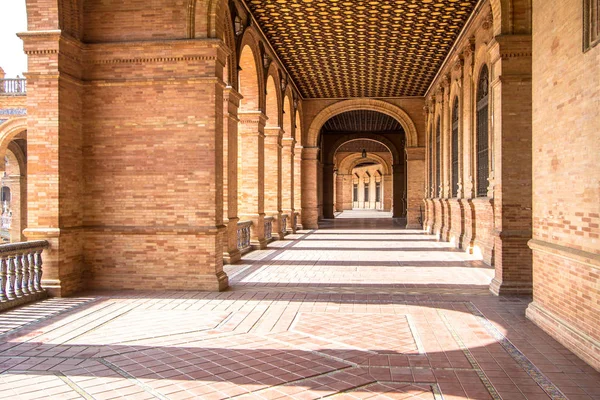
(361, 121)
(361, 48)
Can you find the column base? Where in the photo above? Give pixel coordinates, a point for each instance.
(231, 257)
(584, 347)
(260, 244)
(213, 283)
(508, 288)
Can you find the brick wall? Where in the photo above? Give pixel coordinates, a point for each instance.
(566, 177)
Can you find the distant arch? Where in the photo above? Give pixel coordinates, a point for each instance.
(383, 107)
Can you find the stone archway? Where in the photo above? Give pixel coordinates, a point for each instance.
(310, 156)
(383, 107)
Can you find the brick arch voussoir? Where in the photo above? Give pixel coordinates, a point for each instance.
(251, 39)
(9, 130)
(384, 107)
(273, 73)
(362, 136)
(351, 160)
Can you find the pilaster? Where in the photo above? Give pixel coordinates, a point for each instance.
(512, 160)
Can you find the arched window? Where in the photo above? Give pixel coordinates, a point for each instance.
(438, 150)
(5, 194)
(482, 133)
(355, 192)
(455, 148)
(431, 166)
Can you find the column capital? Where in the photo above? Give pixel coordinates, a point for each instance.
(415, 153)
(273, 131)
(252, 117)
(310, 153)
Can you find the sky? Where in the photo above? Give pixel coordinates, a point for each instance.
(14, 19)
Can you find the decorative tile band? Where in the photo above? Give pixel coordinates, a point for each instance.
(533, 371)
(484, 379)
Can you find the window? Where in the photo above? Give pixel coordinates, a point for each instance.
(431, 183)
(438, 150)
(482, 133)
(377, 192)
(591, 24)
(455, 148)
(5, 194)
(355, 192)
(366, 192)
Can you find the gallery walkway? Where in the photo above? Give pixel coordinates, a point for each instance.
(359, 309)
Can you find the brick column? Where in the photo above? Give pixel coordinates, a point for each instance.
(298, 182)
(231, 101)
(398, 200)
(388, 190)
(54, 146)
(310, 208)
(287, 180)
(251, 174)
(328, 200)
(339, 192)
(415, 165)
(273, 177)
(511, 98)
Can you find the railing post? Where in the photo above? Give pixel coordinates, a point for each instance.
(10, 274)
(18, 275)
(25, 267)
(31, 283)
(3, 279)
(38, 270)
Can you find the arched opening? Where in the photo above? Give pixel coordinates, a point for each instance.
(251, 144)
(272, 153)
(455, 148)
(287, 162)
(363, 179)
(482, 140)
(13, 153)
(363, 148)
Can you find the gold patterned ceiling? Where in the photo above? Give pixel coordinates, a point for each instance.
(361, 121)
(361, 48)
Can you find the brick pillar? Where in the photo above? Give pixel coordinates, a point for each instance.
(310, 207)
(320, 189)
(273, 177)
(231, 101)
(287, 180)
(251, 174)
(388, 189)
(339, 192)
(511, 98)
(398, 200)
(328, 182)
(298, 183)
(54, 146)
(415, 165)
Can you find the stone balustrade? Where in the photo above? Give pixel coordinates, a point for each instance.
(268, 228)
(243, 235)
(21, 273)
(13, 87)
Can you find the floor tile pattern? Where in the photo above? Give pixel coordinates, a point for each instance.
(359, 313)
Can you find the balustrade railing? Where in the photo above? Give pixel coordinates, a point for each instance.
(21, 270)
(243, 235)
(13, 87)
(268, 228)
(284, 223)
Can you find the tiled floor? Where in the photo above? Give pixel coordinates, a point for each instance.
(357, 310)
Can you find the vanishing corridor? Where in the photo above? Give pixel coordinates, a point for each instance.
(358, 309)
